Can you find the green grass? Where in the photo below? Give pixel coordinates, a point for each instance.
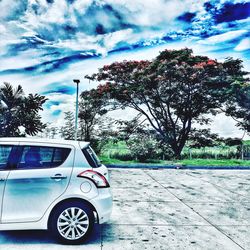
(213, 162)
(119, 147)
(107, 160)
(194, 162)
(247, 142)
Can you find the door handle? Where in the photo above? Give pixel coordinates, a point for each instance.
(58, 177)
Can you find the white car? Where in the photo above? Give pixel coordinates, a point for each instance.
(57, 185)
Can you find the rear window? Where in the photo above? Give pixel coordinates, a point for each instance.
(91, 157)
(5, 151)
(42, 157)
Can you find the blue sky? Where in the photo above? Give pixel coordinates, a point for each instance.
(46, 43)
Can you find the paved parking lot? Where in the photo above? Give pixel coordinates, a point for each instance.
(165, 209)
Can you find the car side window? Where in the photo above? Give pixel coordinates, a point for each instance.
(42, 157)
(91, 157)
(5, 154)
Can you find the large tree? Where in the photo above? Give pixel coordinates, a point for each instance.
(173, 91)
(19, 112)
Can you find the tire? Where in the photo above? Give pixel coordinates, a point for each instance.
(71, 222)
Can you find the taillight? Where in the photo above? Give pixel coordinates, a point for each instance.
(99, 180)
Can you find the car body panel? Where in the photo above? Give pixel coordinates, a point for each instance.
(33, 190)
(31, 195)
(42, 224)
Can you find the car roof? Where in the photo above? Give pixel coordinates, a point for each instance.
(82, 144)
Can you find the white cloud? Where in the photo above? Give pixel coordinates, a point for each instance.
(10, 8)
(65, 103)
(111, 39)
(225, 126)
(47, 21)
(2, 28)
(243, 45)
(42, 29)
(230, 35)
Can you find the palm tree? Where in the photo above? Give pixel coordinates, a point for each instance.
(11, 99)
(18, 111)
(9, 96)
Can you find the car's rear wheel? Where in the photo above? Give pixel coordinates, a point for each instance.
(72, 222)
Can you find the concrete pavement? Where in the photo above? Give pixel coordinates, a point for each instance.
(165, 209)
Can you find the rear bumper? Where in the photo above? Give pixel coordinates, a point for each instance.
(103, 204)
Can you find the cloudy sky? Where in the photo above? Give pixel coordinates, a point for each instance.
(45, 44)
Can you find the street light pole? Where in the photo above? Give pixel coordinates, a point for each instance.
(76, 117)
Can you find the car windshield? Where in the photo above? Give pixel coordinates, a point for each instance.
(91, 157)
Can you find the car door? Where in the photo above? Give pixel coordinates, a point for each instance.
(41, 176)
(7, 158)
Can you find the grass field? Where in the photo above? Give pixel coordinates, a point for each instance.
(212, 162)
(118, 153)
(194, 162)
(247, 142)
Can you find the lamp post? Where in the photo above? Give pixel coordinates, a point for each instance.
(77, 81)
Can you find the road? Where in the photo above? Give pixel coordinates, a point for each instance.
(164, 209)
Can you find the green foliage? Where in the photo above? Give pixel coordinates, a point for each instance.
(19, 111)
(121, 152)
(140, 146)
(233, 141)
(200, 138)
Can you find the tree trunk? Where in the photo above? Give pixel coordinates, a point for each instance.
(177, 153)
(177, 149)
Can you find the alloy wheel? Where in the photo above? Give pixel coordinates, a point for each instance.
(73, 223)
